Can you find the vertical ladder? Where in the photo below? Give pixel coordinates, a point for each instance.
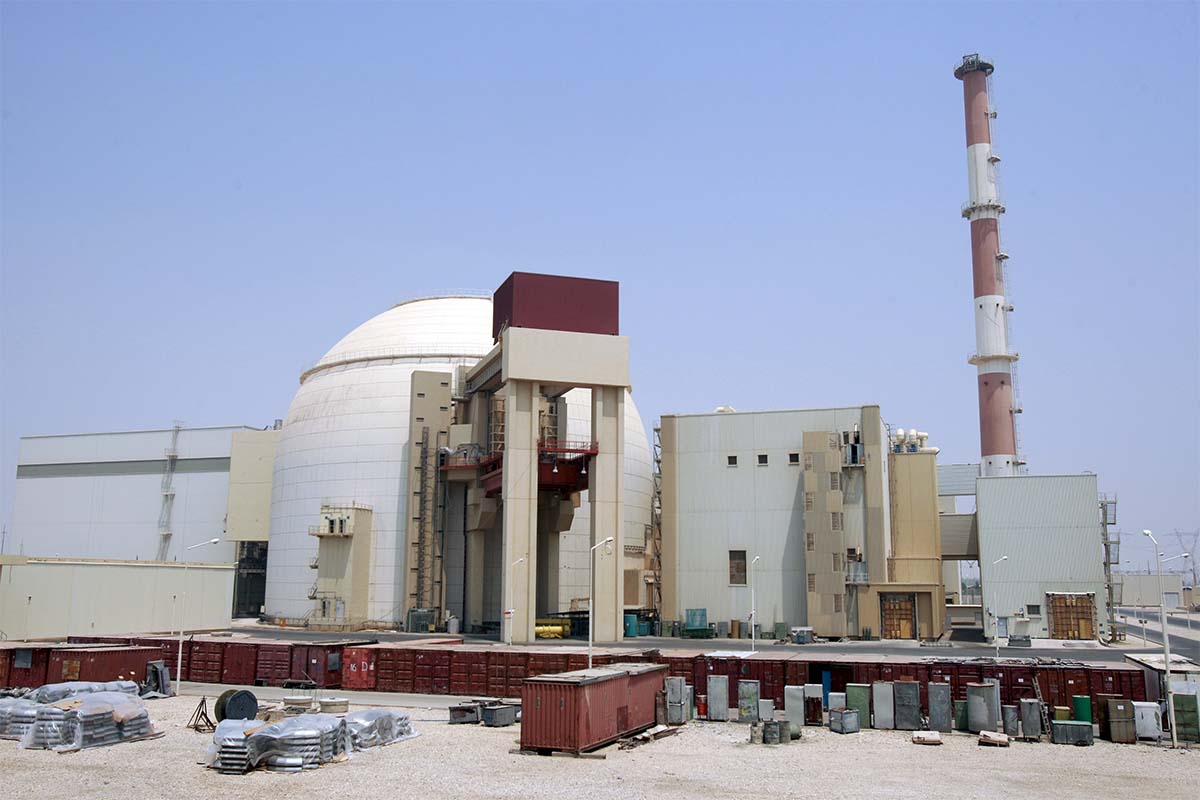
(656, 525)
(423, 595)
(168, 493)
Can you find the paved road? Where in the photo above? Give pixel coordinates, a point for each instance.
(1079, 652)
(1182, 642)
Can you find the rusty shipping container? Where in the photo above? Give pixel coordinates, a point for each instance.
(239, 663)
(579, 711)
(358, 666)
(274, 665)
(112, 663)
(23, 664)
(321, 662)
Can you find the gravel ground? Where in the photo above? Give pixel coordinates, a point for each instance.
(704, 760)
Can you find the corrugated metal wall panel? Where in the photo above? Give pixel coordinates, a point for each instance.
(956, 479)
(1049, 527)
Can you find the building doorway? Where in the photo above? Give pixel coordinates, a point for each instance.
(898, 613)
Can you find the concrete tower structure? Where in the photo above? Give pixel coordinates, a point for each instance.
(992, 358)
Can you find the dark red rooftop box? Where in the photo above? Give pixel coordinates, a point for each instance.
(556, 303)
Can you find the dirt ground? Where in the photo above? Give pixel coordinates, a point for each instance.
(704, 760)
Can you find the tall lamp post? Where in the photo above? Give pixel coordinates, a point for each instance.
(996, 615)
(511, 611)
(182, 611)
(753, 605)
(592, 592)
(1162, 620)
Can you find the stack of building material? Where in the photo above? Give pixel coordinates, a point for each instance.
(17, 715)
(297, 743)
(375, 727)
(50, 729)
(54, 692)
(228, 753)
(89, 720)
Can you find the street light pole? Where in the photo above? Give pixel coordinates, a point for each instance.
(592, 592)
(996, 616)
(512, 611)
(182, 611)
(1162, 619)
(753, 605)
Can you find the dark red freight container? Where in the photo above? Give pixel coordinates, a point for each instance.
(239, 664)
(274, 664)
(23, 664)
(100, 664)
(169, 645)
(582, 710)
(556, 302)
(206, 661)
(321, 662)
(358, 667)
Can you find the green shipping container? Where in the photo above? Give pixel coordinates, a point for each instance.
(858, 697)
(1081, 705)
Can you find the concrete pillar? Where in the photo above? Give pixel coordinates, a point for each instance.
(519, 497)
(481, 517)
(606, 492)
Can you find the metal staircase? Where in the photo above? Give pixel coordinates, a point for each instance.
(656, 524)
(168, 493)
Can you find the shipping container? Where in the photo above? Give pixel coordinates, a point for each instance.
(111, 663)
(358, 666)
(205, 661)
(274, 664)
(582, 710)
(24, 664)
(320, 663)
(239, 663)
(556, 302)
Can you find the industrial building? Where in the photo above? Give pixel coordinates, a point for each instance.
(481, 459)
(834, 525)
(1143, 590)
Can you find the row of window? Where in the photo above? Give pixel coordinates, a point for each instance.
(737, 570)
(764, 460)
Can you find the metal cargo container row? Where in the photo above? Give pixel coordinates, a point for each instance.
(100, 663)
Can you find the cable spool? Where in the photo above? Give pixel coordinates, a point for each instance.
(236, 704)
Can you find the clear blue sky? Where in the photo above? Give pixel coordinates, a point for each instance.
(199, 199)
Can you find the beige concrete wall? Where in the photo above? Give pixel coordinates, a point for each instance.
(669, 568)
(825, 547)
(565, 359)
(251, 467)
(59, 597)
(343, 575)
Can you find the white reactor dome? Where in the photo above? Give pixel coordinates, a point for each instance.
(345, 439)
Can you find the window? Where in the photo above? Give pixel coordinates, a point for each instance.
(808, 501)
(793, 458)
(812, 581)
(737, 567)
(837, 562)
(731, 461)
(342, 525)
(808, 461)
(835, 520)
(762, 459)
(1033, 610)
(837, 604)
(810, 541)
(835, 481)
(331, 528)
(420, 394)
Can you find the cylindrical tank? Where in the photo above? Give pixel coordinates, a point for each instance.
(631, 626)
(1081, 707)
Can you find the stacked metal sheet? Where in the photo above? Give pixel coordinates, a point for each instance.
(232, 756)
(97, 727)
(374, 727)
(50, 729)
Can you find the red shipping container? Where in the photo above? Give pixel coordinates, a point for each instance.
(321, 662)
(24, 664)
(239, 663)
(274, 664)
(205, 662)
(580, 711)
(358, 667)
(100, 664)
(1020, 680)
(556, 302)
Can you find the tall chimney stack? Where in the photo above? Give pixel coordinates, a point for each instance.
(997, 428)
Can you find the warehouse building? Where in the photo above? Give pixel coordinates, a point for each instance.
(1142, 590)
(832, 522)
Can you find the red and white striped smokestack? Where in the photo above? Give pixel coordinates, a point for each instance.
(997, 428)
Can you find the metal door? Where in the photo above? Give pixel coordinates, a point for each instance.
(1002, 627)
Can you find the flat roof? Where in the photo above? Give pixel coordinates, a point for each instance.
(146, 430)
(772, 411)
